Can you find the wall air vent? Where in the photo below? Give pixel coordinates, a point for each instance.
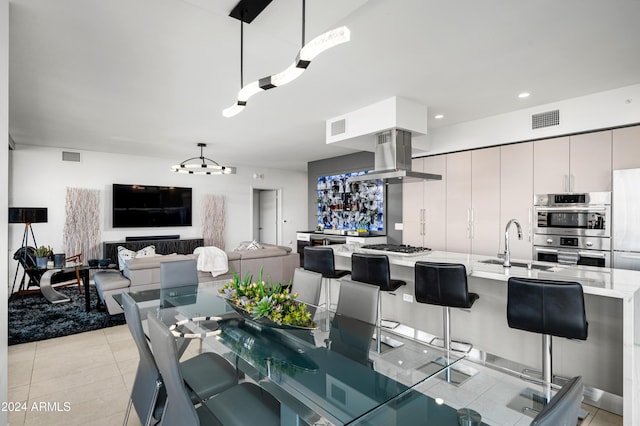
(70, 156)
(338, 127)
(545, 119)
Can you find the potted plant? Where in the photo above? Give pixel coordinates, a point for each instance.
(43, 253)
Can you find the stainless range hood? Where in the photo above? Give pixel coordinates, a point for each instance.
(393, 160)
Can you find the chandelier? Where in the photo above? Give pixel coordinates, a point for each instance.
(308, 52)
(206, 166)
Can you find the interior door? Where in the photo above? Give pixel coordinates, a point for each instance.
(267, 216)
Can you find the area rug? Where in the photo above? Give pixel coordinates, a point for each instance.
(33, 318)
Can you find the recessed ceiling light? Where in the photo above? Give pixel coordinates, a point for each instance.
(524, 95)
(438, 117)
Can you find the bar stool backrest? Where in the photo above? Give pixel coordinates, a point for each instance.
(443, 284)
(319, 259)
(548, 307)
(371, 269)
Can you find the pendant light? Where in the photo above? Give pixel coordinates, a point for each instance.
(206, 166)
(307, 53)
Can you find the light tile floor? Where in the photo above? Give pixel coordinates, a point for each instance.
(85, 379)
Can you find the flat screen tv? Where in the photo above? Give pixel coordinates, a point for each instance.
(137, 206)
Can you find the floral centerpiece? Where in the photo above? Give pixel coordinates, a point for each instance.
(270, 301)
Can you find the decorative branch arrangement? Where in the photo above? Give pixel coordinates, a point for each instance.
(81, 232)
(213, 220)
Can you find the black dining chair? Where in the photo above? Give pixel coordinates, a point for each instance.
(242, 404)
(205, 374)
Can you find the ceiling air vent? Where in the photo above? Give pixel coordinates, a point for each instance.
(70, 156)
(338, 127)
(545, 119)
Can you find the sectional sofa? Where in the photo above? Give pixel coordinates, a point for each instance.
(277, 262)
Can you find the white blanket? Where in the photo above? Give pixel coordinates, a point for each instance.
(212, 259)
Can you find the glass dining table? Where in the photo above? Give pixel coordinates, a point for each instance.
(329, 374)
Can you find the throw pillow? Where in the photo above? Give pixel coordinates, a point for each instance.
(254, 245)
(125, 254)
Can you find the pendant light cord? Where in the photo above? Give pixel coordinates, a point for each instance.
(304, 3)
(241, 53)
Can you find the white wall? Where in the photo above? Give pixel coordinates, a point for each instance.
(4, 162)
(39, 178)
(597, 111)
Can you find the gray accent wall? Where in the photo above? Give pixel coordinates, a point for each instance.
(349, 163)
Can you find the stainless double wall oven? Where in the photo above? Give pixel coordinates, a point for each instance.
(573, 229)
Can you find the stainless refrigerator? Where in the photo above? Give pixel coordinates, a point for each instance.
(626, 219)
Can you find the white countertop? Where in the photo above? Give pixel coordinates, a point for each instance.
(607, 282)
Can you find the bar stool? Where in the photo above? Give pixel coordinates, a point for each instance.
(550, 308)
(320, 259)
(374, 269)
(444, 284)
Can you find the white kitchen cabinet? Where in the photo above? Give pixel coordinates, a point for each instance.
(485, 201)
(413, 209)
(435, 206)
(580, 163)
(458, 193)
(516, 197)
(424, 207)
(626, 148)
(590, 162)
(551, 165)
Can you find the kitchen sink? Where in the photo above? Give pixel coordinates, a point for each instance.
(516, 264)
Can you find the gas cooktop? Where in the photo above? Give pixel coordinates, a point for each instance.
(399, 249)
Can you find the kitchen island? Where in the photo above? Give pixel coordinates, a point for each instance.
(609, 360)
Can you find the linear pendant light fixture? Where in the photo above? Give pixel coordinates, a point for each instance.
(203, 168)
(308, 52)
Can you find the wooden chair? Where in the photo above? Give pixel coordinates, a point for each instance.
(77, 259)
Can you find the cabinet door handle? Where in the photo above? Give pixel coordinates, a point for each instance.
(423, 230)
(565, 185)
(571, 182)
(530, 219)
(472, 223)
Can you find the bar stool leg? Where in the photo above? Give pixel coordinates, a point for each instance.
(547, 370)
(379, 325)
(446, 336)
(446, 324)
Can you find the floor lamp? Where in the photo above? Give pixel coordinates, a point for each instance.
(26, 216)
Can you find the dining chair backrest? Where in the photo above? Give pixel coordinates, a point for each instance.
(564, 407)
(308, 285)
(358, 300)
(179, 409)
(178, 273)
(146, 389)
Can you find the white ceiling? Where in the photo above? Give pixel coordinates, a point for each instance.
(151, 77)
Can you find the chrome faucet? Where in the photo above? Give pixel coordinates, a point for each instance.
(507, 254)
